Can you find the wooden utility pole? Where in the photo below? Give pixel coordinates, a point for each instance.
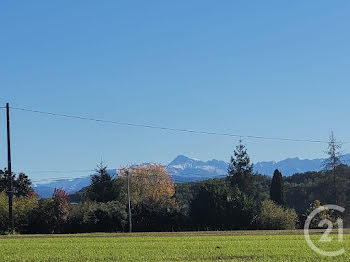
(9, 170)
(129, 204)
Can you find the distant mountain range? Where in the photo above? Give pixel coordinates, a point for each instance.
(184, 169)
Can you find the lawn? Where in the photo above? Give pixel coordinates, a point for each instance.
(190, 246)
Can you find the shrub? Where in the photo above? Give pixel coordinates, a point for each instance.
(150, 216)
(105, 217)
(3, 213)
(23, 208)
(275, 217)
(221, 208)
(75, 219)
(322, 215)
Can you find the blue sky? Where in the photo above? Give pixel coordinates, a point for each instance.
(269, 68)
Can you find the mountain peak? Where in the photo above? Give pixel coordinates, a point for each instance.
(186, 169)
(181, 159)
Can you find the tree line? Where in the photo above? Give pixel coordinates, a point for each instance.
(242, 200)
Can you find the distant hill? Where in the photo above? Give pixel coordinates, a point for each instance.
(69, 185)
(184, 169)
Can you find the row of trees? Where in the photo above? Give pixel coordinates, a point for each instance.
(35, 216)
(243, 200)
(157, 204)
(103, 207)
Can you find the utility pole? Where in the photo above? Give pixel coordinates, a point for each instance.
(9, 170)
(129, 204)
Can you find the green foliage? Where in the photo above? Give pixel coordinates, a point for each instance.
(243, 210)
(159, 205)
(24, 202)
(240, 170)
(104, 188)
(96, 217)
(220, 208)
(213, 204)
(21, 183)
(149, 216)
(51, 214)
(105, 217)
(277, 193)
(23, 208)
(207, 210)
(200, 202)
(60, 198)
(303, 189)
(274, 217)
(3, 213)
(324, 214)
(262, 185)
(75, 223)
(44, 218)
(332, 162)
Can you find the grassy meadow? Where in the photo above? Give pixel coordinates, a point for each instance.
(187, 246)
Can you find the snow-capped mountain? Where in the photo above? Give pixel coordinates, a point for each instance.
(184, 169)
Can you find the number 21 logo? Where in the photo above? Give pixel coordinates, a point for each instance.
(325, 237)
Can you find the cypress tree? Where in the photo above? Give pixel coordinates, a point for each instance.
(277, 193)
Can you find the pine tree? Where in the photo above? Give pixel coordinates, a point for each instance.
(240, 170)
(277, 193)
(103, 187)
(333, 161)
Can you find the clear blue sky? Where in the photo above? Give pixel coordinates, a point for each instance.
(270, 68)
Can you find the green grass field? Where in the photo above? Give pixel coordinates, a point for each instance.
(190, 246)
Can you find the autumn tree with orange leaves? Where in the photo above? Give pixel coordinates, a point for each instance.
(150, 182)
(152, 197)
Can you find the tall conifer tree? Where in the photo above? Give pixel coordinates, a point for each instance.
(240, 170)
(277, 193)
(332, 162)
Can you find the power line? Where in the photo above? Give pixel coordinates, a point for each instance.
(183, 130)
(57, 179)
(67, 171)
(61, 178)
(58, 171)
